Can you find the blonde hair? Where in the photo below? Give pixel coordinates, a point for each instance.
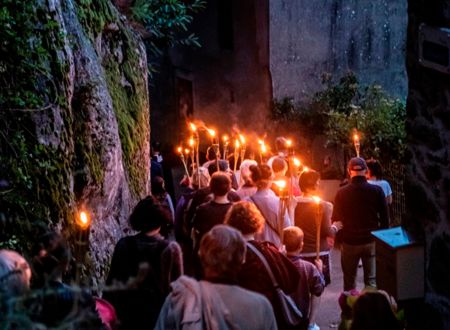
(292, 238)
(245, 217)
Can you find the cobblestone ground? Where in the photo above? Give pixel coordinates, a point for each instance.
(329, 312)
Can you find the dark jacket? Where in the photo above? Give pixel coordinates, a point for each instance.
(138, 307)
(362, 208)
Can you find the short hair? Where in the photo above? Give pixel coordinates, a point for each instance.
(308, 180)
(148, 215)
(375, 168)
(223, 166)
(158, 185)
(245, 217)
(15, 274)
(222, 249)
(245, 169)
(220, 183)
(211, 153)
(279, 165)
(260, 173)
(201, 174)
(292, 238)
(280, 143)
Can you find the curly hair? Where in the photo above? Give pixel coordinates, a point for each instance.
(245, 217)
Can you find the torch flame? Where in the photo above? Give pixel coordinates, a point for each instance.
(306, 169)
(187, 151)
(191, 142)
(297, 162)
(288, 143)
(355, 137)
(281, 184)
(225, 138)
(237, 144)
(316, 199)
(180, 150)
(263, 148)
(211, 132)
(193, 127)
(83, 220)
(242, 138)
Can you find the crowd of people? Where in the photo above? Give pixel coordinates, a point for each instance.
(203, 264)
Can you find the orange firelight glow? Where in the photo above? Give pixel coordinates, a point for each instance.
(211, 132)
(193, 127)
(237, 144)
(242, 138)
(187, 151)
(83, 220)
(191, 142)
(306, 169)
(355, 137)
(180, 150)
(316, 199)
(281, 184)
(297, 162)
(225, 138)
(288, 143)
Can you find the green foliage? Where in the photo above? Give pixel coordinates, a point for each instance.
(344, 107)
(166, 22)
(26, 31)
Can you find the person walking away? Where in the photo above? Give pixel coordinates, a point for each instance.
(362, 208)
(305, 214)
(268, 204)
(311, 283)
(254, 276)
(163, 197)
(375, 176)
(145, 264)
(217, 302)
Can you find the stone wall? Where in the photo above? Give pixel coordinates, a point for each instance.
(428, 184)
(229, 85)
(309, 38)
(88, 147)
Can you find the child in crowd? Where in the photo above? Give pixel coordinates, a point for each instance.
(311, 284)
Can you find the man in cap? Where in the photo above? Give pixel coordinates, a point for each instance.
(362, 208)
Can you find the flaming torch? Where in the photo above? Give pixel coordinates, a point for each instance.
(242, 138)
(215, 146)
(356, 143)
(197, 144)
(180, 151)
(236, 153)
(318, 221)
(225, 146)
(262, 151)
(83, 222)
(281, 185)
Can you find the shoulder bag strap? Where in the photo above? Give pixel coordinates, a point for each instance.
(267, 220)
(265, 263)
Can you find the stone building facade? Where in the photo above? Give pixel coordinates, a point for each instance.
(428, 161)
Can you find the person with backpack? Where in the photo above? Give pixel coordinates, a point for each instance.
(142, 268)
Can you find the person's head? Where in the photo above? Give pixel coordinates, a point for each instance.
(309, 181)
(261, 175)
(223, 166)
(374, 169)
(148, 215)
(279, 166)
(293, 239)
(15, 274)
(222, 252)
(357, 167)
(372, 311)
(280, 143)
(245, 170)
(52, 257)
(245, 217)
(158, 186)
(200, 176)
(220, 184)
(211, 153)
(156, 147)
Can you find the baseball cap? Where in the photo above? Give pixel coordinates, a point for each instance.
(357, 164)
